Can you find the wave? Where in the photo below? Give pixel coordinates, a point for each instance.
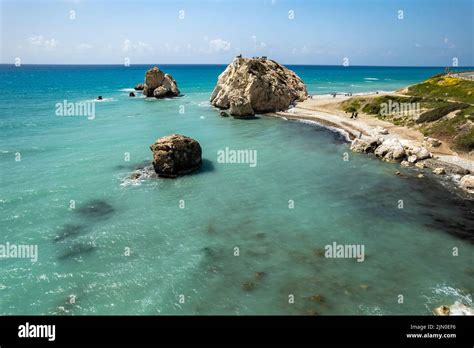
(104, 100)
(138, 176)
(371, 78)
(372, 93)
(127, 90)
(342, 132)
(447, 295)
(204, 104)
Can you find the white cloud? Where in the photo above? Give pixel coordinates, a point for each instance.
(83, 47)
(448, 43)
(300, 51)
(219, 45)
(130, 46)
(257, 44)
(42, 42)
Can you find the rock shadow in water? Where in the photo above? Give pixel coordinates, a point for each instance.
(69, 231)
(77, 249)
(206, 167)
(447, 211)
(96, 209)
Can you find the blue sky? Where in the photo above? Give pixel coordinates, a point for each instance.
(367, 32)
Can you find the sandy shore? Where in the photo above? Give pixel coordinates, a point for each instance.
(324, 109)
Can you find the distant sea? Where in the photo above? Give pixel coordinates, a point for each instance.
(229, 239)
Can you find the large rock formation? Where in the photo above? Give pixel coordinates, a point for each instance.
(175, 155)
(159, 85)
(258, 85)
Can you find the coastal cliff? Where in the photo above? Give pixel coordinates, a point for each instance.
(257, 85)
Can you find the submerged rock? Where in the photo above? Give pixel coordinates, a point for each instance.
(255, 85)
(131, 94)
(96, 208)
(448, 167)
(175, 155)
(159, 85)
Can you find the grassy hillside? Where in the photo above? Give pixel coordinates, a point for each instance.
(446, 87)
(440, 107)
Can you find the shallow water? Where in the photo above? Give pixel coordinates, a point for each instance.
(190, 251)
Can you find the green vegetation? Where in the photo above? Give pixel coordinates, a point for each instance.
(436, 99)
(352, 104)
(465, 142)
(435, 114)
(446, 87)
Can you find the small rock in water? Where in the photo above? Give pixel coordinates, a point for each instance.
(260, 275)
(405, 164)
(248, 286)
(439, 171)
(224, 114)
(317, 298)
(420, 176)
(131, 94)
(398, 173)
(364, 286)
(99, 97)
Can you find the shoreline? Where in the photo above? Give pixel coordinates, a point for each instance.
(323, 110)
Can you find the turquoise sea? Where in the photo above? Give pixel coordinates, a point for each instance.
(223, 240)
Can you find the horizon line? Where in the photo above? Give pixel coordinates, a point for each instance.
(207, 64)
